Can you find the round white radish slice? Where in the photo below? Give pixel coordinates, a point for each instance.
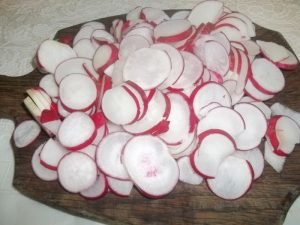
(183, 14)
(150, 166)
(101, 133)
(290, 63)
(255, 158)
(275, 161)
(134, 14)
(77, 131)
(132, 43)
(237, 23)
(253, 92)
(108, 155)
(39, 170)
(145, 32)
(105, 56)
(94, 24)
(204, 110)
(233, 180)
(77, 172)
(84, 48)
(51, 53)
(214, 147)
(255, 126)
(280, 109)
(153, 15)
(77, 92)
(49, 85)
(84, 33)
(245, 19)
(120, 188)
(117, 74)
(230, 86)
(185, 147)
(187, 173)
(207, 93)
(97, 190)
(90, 150)
(273, 51)
(101, 37)
(147, 67)
(25, 133)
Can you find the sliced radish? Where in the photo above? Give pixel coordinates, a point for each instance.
(243, 73)
(101, 133)
(280, 109)
(214, 147)
(49, 85)
(231, 32)
(262, 106)
(117, 74)
(132, 43)
(98, 190)
(105, 56)
(85, 32)
(39, 170)
(185, 147)
(77, 172)
(252, 49)
(84, 48)
(94, 24)
(76, 131)
(274, 160)
(25, 133)
(101, 37)
(273, 51)
(147, 67)
(204, 110)
(187, 173)
(157, 172)
(290, 63)
(255, 93)
(134, 14)
(108, 156)
(237, 23)
(90, 150)
(230, 86)
(145, 32)
(183, 14)
(120, 188)
(233, 180)
(153, 15)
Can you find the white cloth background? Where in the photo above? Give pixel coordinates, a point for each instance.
(25, 23)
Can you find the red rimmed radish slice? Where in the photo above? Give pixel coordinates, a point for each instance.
(153, 15)
(187, 173)
(275, 161)
(98, 190)
(90, 150)
(255, 158)
(207, 93)
(134, 14)
(206, 11)
(120, 188)
(183, 14)
(77, 92)
(39, 170)
(214, 146)
(262, 106)
(147, 67)
(51, 154)
(231, 32)
(272, 51)
(204, 110)
(101, 37)
(83, 33)
(290, 63)
(105, 56)
(230, 86)
(84, 48)
(255, 93)
(25, 133)
(117, 73)
(245, 19)
(131, 43)
(157, 172)
(255, 126)
(101, 133)
(49, 85)
(184, 148)
(233, 179)
(51, 53)
(77, 172)
(145, 32)
(283, 133)
(76, 131)
(280, 109)
(109, 152)
(243, 73)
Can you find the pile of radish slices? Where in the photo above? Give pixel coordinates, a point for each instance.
(155, 100)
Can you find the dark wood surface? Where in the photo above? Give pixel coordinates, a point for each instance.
(266, 203)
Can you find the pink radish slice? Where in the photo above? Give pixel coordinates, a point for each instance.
(214, 147)
(61, 110)
(101, 133)
(255, 93)
(76, 131)
(274, 160)
(111, 127)
(290, 63)
(192, 71)
(132, 43)
(230, 86)
(262, 106)
(118, 31)
(185, 147)
(266, 76)
(187, 173)
(208, 93)
(90, 150)
(108, 156)
(145, 32)
(77, 172)
(77, 92)
(84, 48)
(117, 74)
(245, 19)
(94, 24)
(205, 75)
(153, 15)
(204, 110)
(280, 109)
(158, 172)
(25, 133)
(85, 32)
(273, 51)
(52, 126)
(177, 64)
(98, 190)
(183, 14)
(134, 14)
(223, 40)
(49, 85)
(283, 133)
(52, 53)
(243, 73)
(231, 32)
(236, 22)
(233, 180)
(39, 170)
(51, 154)
(101, 37)
(255, 126)
(105, 56)
(252, 49)
(147, 67)
(255, 158)
(120, 188)
(206, 11)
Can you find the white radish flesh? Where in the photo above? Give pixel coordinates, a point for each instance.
(274, 160)
(120, 188)
(25, 133)
(280, 109)
(132, 43)
(187, 173)
(97, 190)
(84, 48)
(105, 56)
(273, 51)
(49, 85)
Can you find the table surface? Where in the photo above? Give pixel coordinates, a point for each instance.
(24, 24)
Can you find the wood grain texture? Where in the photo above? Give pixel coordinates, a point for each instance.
(266, 203)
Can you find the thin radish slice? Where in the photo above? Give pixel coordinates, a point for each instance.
(274, 160)
(230, 86)
(231, 32)
(290, 63)
(39, 170)
(61, 110)
(51, 154)
(214, 147)
(25, 133)
(206, 11)
(105, 56)
(94, 24)
(262, 106)
(255, 158)
(205, 110)
(273, 51)
(253, 92)
(233, 180)
(187, 173)
(83, 33)
(117, 74)
(255, 126)
(77, 92)
(252, 49)
(120, 188)
(235, 22)
(185, 147)
(223, 40)
(90, 150)
(158, 172)
(111, 127)
(84, 48)
(250, 25)
(108, 156)
(76, 131)
(132, 43)
(280, 109)
(145, 32)
(77, 172)
(153, 15)
(243, 73)
(101, 133)
(52, 53)
(147, 67)
(101, 37)
(134, 14)
(183, 14)
(98, 190)
(49, 85)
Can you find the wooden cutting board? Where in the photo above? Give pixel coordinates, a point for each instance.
(266, 203)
